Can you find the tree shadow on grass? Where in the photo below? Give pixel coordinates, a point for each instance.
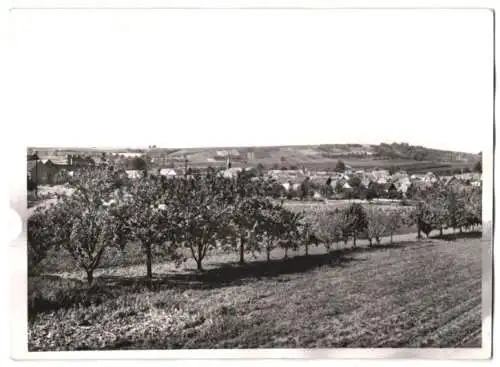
(231, 274)
(48, 293)
(456, 236)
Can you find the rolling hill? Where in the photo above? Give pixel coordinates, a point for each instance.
(325, 157)
(414, 159)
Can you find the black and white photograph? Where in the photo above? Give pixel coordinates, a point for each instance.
(274, 179)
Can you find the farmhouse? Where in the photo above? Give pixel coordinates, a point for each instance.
(381, 173)
(334, 183)
(365, 181)
(402, 186)
(98, 161)
(317, 196)
(231, 172)
(476, 183)
(451, 181)
(134, 174)
(167, 172)
(129, 155)
(41, 173)
(430, 178)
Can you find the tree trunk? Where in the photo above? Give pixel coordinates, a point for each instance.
(242, 250)
(286, 253)
(307, 249)
(460, 229)
(441, 231)
(90, 277)
(378, 240)
(391, 238)
(370, 242)
(149, 262)
(268, 250)
(354, 237)
(200, 258)
(199, 265)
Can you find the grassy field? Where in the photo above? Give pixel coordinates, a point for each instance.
(409, 294)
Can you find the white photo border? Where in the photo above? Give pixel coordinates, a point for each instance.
(18, 296)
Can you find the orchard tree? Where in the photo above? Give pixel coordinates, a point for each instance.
(436, 200)
(344, 220)
(328, 228)
(151, 218)
(204, 209)
(354, 182)
(137, 163)
(339, 188)
(373, 191)
(245, 217)
(82, 222)
(305, 189)
(440, 205)
(472, 206)
(40, 236)
(478, 167)
(247, 198)
(308, 236)
(357, 220)
(289, 228)
(269, 227)
(475, 207)
(376, 225)
(394, 221)
(340, 167)
(424, 217)
(457, 218)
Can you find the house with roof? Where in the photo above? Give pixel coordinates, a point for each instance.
(400, 176)
(430, 178)
(41, 173)
(379, 176)
(134, 174)
(231, 172)
(476, 183)
(451, 181)
(382, 180)
(365, 181)
(317, 196)
(393, 191)
(402, 186)
(167, 172)
(346, 186)
(60, 162)
(334, 183)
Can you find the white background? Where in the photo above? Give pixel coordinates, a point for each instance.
(233, 77)
(246, 77)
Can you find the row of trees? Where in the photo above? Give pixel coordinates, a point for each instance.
(353, 222)
(204, 211)
(455, 206)
(199, 212)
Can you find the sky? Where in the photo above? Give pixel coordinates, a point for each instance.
(198, 78)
